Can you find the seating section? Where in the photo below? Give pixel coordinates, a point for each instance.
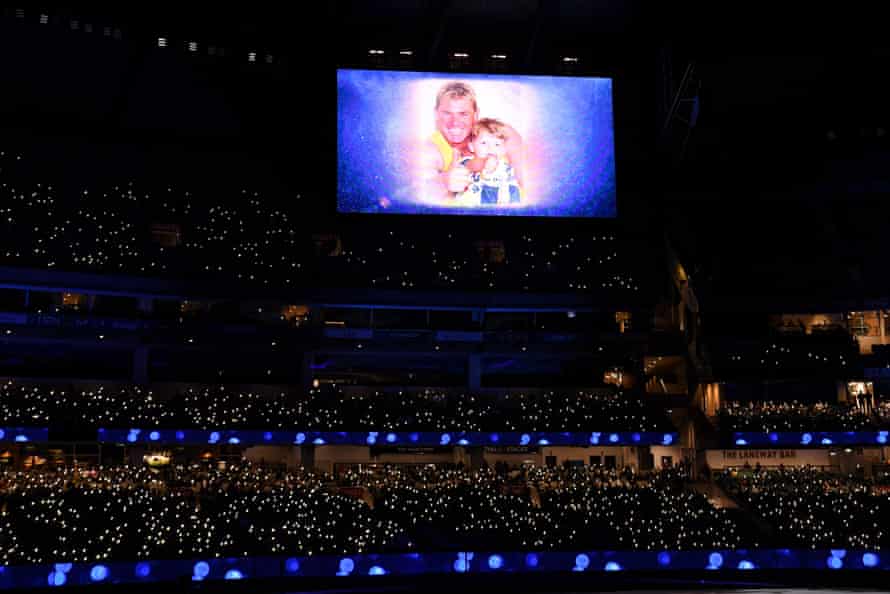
(325, 409)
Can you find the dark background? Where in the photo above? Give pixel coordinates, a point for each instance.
(781, 182)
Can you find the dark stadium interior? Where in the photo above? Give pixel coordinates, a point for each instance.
(215, 378)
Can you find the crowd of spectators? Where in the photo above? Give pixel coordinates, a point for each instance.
(120, 512)
(810, 508)
(781, 359)
(323, 409)
(767, 416)
(241, 236)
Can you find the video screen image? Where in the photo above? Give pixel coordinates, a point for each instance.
(473, 144)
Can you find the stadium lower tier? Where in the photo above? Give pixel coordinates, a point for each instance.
(133, 513)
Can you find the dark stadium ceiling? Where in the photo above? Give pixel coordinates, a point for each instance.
(776, 84)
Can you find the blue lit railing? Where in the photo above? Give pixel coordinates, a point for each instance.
(810, 438)
(386, 438)
(69, 574)
(23, 434)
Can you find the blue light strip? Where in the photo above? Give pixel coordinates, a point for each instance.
(386, 438)
(810, 438)
(70, 574)
(23, 434)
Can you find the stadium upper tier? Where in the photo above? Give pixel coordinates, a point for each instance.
(246, 238)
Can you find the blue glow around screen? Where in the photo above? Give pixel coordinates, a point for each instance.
(395, 148)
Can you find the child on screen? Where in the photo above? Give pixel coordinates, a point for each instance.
(493, 181)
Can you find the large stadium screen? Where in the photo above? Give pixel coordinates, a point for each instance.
(473, 144)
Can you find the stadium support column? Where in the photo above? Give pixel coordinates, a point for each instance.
(883, 331)
(474, 371)
(476, 457)
(146, 306)
(306, 375)
(140, 364)
(307, 456)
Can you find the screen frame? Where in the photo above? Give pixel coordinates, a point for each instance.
(413, 218)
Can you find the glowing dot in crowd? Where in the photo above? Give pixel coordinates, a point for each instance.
(292, 565)
(56, 578)
(154, 436)
(612, 566)
(531, 560)
(234, 574)
(201, 569)
(870, 559)
(582, 562)
(835, 562)
(98, 573)
(376, 570)
(613, 438)
(300, 438)
(347, 565)
(391, 438)
(715, 561)
(664, 558)
(143, 570)
(745, 564)
(495, 562)
(525, 439)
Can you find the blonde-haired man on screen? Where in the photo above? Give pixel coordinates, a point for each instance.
(446, 157)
